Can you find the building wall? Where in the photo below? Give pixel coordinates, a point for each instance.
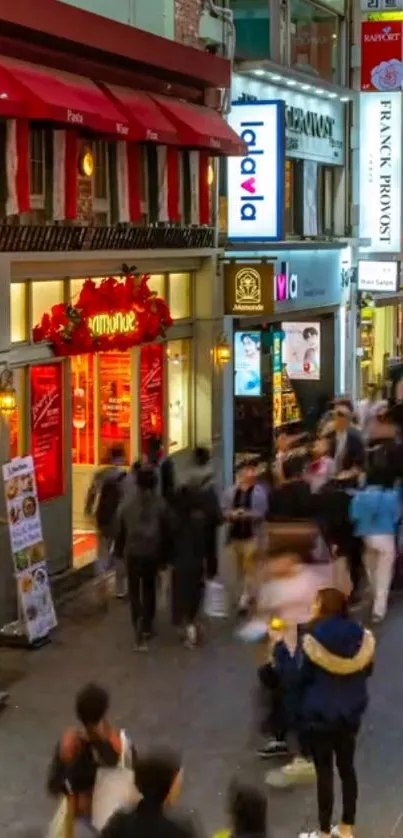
(177, 19)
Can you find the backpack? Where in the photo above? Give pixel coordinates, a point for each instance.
(145, 528)
(109, 498)
(77, 773)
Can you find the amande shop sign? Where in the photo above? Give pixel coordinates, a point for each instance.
(256, 182)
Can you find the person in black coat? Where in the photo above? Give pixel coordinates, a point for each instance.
(159, 780)
(346, 443)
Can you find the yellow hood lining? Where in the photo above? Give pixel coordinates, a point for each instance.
(336, 665)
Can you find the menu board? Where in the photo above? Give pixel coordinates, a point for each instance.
(82, 399)
(115, 402)
(47, 429)
(151, 393)
(27, 547)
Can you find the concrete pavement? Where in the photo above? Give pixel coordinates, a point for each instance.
(199, 702)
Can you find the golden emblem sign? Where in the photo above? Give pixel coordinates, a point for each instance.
(248, 290)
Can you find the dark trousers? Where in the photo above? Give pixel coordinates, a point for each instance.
(355, 563)
(187, 595)
(326, 745)
(142, 586)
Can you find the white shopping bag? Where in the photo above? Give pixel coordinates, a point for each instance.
(62, 823)
(215, 599)
(114, 788)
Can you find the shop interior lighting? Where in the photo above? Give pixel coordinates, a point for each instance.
(8, 396)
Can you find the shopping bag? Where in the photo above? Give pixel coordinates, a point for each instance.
(62, 823)
(114, 788)
(215, 599)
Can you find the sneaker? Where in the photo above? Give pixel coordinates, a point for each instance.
(377, 619)
(190, 637)
(244, 605)
(337, 833)
(141, 645)
(273, 748)
(299, 770)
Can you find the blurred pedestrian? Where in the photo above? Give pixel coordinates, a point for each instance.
(244, 508)
(247, 813)
(376, 511)
(163, 465)
(159, 781)
(200, 478)
(346, 444)
(146, 527)
(337, 658)
(320, 468)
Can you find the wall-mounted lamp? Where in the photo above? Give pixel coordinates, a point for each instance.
(8, 396)
(86, 163)
(222, 351)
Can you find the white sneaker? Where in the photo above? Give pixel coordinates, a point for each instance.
(299, 770)
(191, 637)
(314, 834)
(336, 833)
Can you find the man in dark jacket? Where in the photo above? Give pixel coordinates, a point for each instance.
(346, 444)
(158, 779)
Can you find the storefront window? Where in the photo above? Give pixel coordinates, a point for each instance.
(178, 355)
(252, 25)
(16, 428)
(115, 403)
(82, 383)
(47, 429)
(314, 40)
(179, 296)
(18, 311)
(378, 342)
(157, 284)
(44, 296)
(151, 394)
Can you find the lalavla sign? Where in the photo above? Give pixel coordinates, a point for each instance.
(314, 125)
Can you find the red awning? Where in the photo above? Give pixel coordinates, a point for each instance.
(148, 123)
(12, 102)
(200, 127)
(64, 98)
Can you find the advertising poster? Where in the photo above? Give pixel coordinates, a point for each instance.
(151, 393)
(301, 350)
(115, 402)
(27, 548)
(47, 429)
(247, 364)
(277, 380)
(82, 400)
(381, 55)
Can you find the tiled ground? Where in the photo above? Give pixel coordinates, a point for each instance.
(197, 701)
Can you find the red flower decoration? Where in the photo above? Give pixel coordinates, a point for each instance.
(67, 327)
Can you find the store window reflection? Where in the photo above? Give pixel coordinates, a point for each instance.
(179, 301)
(178, 375)
(115, 403)
(157, 283)
(252, 26)
(314, 40)
(18, 311)
(45, 295)
(83, 383)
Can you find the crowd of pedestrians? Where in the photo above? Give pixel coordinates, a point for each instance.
(309, 539)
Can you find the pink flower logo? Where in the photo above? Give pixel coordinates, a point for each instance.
(388, 75)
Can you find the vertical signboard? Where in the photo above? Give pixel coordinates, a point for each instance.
(381, 55)
(47, 429)
(381, 170)
(256, 182)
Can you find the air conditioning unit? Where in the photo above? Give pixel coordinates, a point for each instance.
(211, 30)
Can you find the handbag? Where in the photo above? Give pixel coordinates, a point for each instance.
(62, 823)
(114, 788)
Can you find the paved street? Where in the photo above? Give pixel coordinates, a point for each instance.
(197, 701)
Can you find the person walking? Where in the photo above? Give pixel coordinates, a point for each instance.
(375, 512)
(145, 528)
(244, 509)
(159, 781)
(200, 479)
(320, 468)
(247, 812)
(198, 513)
(346, 444)
(337, 658)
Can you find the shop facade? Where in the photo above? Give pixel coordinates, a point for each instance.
(287, 323)
(380, 335)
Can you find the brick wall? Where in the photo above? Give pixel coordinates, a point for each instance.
(187, 16)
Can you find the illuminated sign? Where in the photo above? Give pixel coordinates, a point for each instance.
(380, 170)
(256, 181)
(378, 277)
(112, 324)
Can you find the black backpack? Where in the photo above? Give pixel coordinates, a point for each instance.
(109, 498)
(79, 774)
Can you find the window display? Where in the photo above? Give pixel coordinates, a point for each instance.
(44, 296)
(47, 429)
(180, 296)
(82, 383)
(247, 364)
(115, 403)
(151, 394)
(179, 356)
(18, 311)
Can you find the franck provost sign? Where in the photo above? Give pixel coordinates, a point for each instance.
(380, 170)
(314, 125)
(256, 182)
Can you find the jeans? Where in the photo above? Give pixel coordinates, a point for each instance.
(379, 558)
(142, 583)
(325, 745)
